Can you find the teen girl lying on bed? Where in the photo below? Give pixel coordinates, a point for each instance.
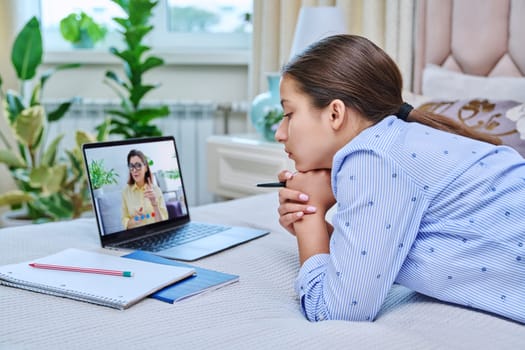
(421, 201)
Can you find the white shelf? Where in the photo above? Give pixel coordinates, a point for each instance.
(236, 163)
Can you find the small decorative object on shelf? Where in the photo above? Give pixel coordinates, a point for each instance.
(266, 110)
(271, 122)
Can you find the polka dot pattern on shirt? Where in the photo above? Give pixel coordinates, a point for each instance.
(388, 186)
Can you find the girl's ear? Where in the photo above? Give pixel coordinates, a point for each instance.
(337, 111)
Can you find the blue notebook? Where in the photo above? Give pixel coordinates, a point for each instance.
(204, 280)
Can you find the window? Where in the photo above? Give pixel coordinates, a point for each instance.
(181, 26)
(52, 11)
(209, 23)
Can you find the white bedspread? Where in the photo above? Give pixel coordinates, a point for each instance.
(259, 312)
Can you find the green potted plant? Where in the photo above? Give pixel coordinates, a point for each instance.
(50, 186)
(133, 120)
(100, 176)
(81, 30)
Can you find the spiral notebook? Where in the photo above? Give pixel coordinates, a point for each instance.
(113, 291)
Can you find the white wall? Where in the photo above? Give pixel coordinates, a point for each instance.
(178, 82)
(222, 84)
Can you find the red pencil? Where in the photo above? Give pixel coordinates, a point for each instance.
(82, 269)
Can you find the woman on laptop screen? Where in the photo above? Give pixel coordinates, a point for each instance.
(142, 201)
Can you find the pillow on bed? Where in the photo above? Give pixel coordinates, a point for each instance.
(517, 114)
(446, 84)
(488, 116)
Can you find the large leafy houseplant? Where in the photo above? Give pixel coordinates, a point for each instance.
(50, 187)
(133, 119)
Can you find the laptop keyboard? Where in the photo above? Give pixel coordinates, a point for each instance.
(166, 240)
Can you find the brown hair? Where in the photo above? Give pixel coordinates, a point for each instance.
(359, 73)
(147, 175)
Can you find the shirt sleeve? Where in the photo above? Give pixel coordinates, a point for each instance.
(379, 209)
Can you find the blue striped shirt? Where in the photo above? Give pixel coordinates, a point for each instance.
(441, 214)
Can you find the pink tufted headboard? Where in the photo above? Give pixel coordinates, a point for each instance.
(476, 37)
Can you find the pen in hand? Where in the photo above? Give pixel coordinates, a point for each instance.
(272, 184)
(82, 269)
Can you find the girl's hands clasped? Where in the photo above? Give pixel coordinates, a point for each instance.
(292, 203)
(305, 193)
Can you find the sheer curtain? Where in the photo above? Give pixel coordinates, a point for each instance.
(388, 23)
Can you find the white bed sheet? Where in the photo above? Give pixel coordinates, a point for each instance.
(259, 312)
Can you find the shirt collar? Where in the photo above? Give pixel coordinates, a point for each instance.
(137, 188)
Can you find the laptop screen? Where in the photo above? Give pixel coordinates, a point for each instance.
(136, 186)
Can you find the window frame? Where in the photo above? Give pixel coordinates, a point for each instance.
(207, 54)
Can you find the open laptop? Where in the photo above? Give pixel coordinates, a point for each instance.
(127, 220)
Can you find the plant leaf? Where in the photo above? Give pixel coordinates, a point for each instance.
(140, 11)
(27, 51)
(82, 137)
(11, 159)
(75, 158)
(152, 62)
(14, 105)
(38, 176)
(119, 113)
(56, 180)
(50, 155)
(61, 110)
(114, 77)
(35, 95)
(29, 125)
(15, 197)
(148, 114)
(49, 179)
(103, 130)
(139, 92)
(124, 130)
(56, 206)
(69, 29)
(22, 176)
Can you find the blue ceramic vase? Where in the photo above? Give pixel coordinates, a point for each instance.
(264, 104)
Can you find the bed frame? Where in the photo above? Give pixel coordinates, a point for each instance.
(489, 43)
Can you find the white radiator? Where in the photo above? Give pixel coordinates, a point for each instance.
(190, 122)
